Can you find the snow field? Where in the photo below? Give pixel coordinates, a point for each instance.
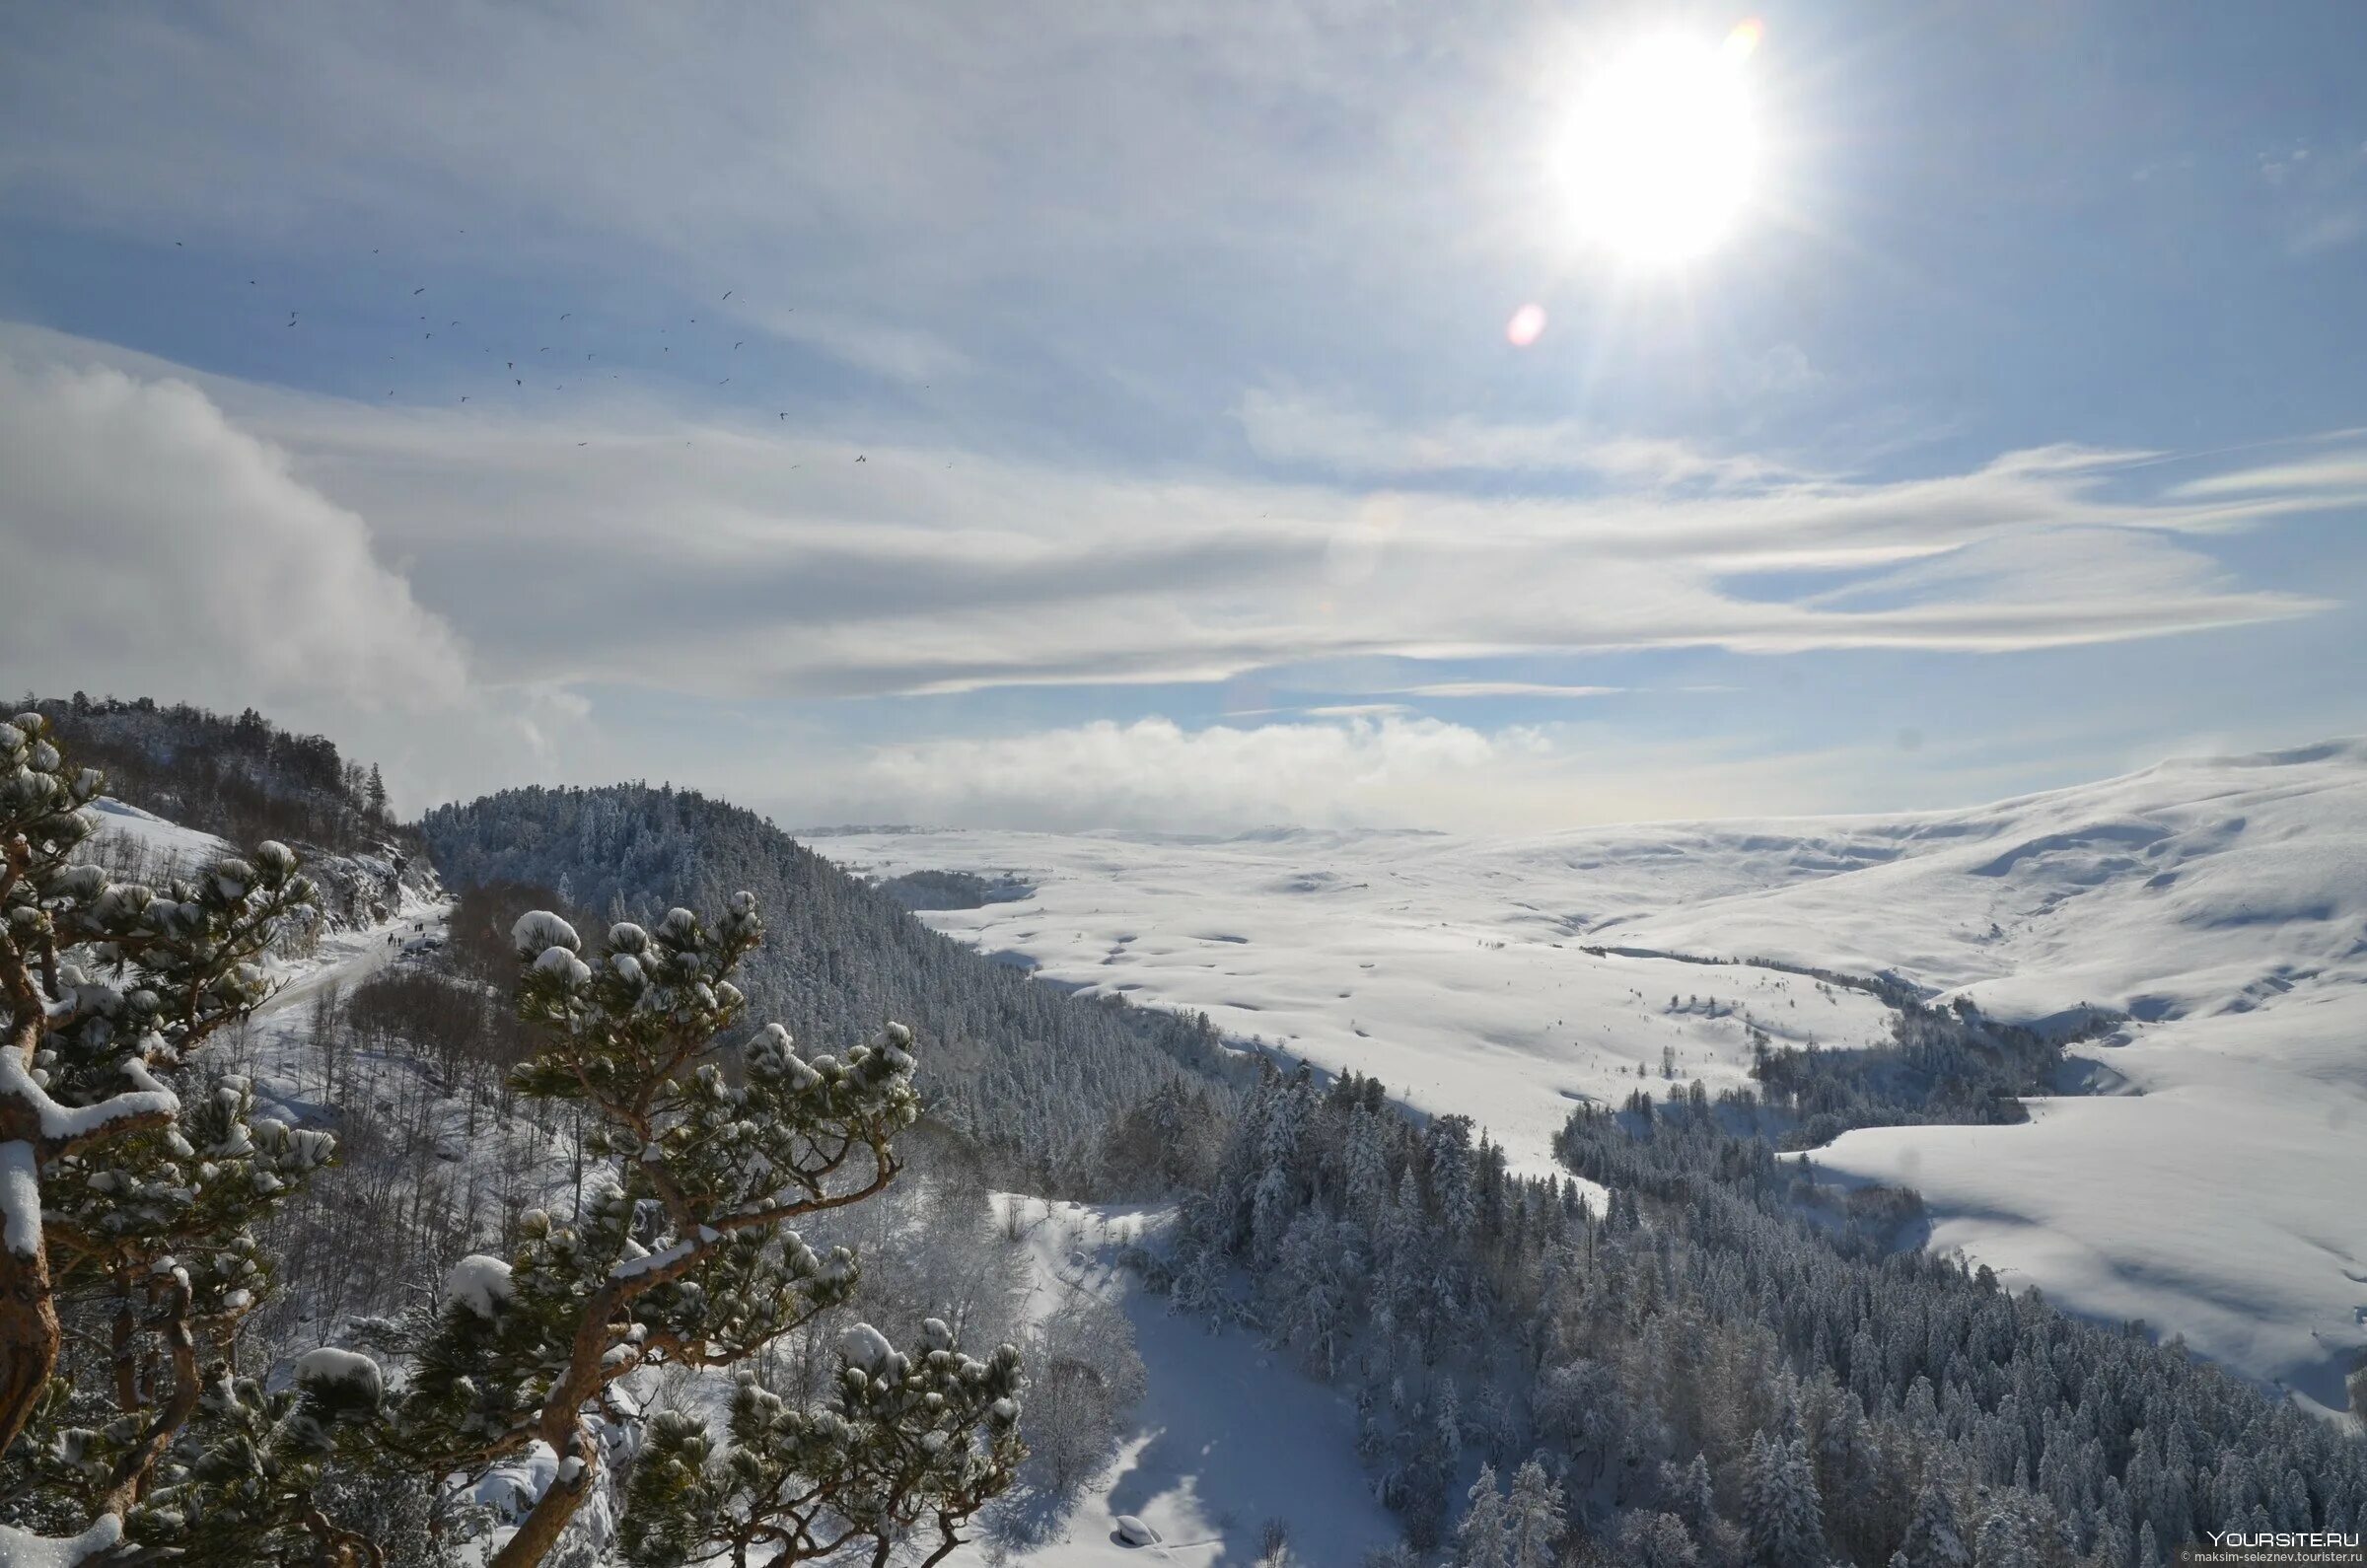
(1403, 958)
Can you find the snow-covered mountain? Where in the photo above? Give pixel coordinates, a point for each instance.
(2220, 903)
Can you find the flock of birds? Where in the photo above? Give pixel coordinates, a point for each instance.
(516, 370)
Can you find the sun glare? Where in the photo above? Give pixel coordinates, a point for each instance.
(1661, 155)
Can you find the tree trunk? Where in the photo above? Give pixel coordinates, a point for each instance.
(547, 1519)
(29, 1337)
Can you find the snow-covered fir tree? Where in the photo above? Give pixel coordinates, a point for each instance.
(1482, 1539)
(1780, 1512)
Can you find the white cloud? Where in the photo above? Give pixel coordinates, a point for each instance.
(146, 537)
(2339, 474)
(1155, 774)
(156, 547)
(1504, 688)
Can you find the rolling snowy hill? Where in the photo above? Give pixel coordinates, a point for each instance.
(2221, 904)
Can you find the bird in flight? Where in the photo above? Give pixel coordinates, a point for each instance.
(582, 443)
(736, 346)
(727, 294)
(784, 414)
(564, 314)
(421, 289)
(858, 459)
(724, 379)
(464, 396)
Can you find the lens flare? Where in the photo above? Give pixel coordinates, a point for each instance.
(1527, 325)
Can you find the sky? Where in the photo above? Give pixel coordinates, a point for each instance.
(1197, 416)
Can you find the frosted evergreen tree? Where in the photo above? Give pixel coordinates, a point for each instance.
(1648, 1539)
(1533, 1518)
(1482, 1539)
(1933, 1539)
(904, 1445)
(1198, 1281)
(1320, 1271)
(2006, 1540)
(1780, 1514)
(1368, 1179)
(129, 1189)
(682, 1255)
(1690, 1495)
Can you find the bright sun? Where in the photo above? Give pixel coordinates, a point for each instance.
(1660, 154)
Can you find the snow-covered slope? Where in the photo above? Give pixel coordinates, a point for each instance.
(2222, 903)
(172, 849)
(1228, 1436)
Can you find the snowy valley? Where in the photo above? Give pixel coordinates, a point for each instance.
(2199, 1172)
(1390, 1198)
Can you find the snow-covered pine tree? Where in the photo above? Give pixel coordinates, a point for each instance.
(1934, 1539)
(904, 1445)
(1780, 1511)
(125, 1207)
(1533, 1519)
(1481, 1540)
(1640, 1539)
(682, 1255)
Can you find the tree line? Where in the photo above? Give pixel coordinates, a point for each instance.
(1708, 1359)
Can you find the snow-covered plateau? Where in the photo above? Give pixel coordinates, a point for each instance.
(2207, 1182)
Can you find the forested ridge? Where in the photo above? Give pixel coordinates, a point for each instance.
(1033, 1075)
(239, 777)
